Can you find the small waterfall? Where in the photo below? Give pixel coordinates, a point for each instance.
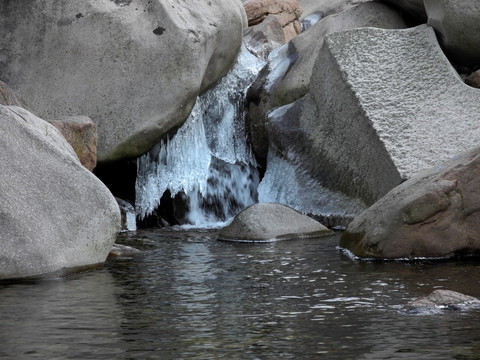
(208, 159)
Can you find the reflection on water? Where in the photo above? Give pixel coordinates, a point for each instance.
(190, 296)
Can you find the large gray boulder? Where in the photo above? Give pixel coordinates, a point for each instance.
(55, 215)
(134, 67)
(434, 214)
(287, 77)
(383, 105)
(458, 24)
(265, 222)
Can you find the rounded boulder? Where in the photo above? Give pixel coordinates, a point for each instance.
(265, 222)
(134, 67)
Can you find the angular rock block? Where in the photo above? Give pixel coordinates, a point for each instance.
(287, 77)
(264, 222)
(434, 214)
(383, 105)
(458, 23)
(81, 134)
(55, 216)
(134, 67)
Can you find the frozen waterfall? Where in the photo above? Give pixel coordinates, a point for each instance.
(287, 183)
(208, 159)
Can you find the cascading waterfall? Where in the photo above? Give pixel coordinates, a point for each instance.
(208, 159)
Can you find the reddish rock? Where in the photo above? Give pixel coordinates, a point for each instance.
(474, 79)
(81, 134)
(286, 10)
(272, 23)
(7, 97)
(434, 214)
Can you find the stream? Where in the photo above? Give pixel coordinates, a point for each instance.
(190, 296)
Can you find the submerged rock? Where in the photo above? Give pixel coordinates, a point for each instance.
(134, 68)
(434, 214)
(441, 300)
(119, 250)
(264, 222)
(81, 134)
(56, 216)
(458, 24)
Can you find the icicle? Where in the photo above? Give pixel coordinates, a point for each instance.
(287, 184)
(208, 159)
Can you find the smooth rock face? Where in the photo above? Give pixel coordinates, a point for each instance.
(383, 105)
(119, 250)
(434, 214)
(55, 215)
(268, 222)
(440, 300)
(458, 23)
(81, 134)
(135, 68)
(290, 67)
(327, 7)
(413, 9)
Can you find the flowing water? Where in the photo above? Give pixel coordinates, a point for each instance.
(189, 296)
(209, 158)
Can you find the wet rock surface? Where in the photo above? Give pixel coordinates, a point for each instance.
(435, 214)
(440, 300)
(119, 250)
(266, 222)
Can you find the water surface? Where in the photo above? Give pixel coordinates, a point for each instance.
(189, 296)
